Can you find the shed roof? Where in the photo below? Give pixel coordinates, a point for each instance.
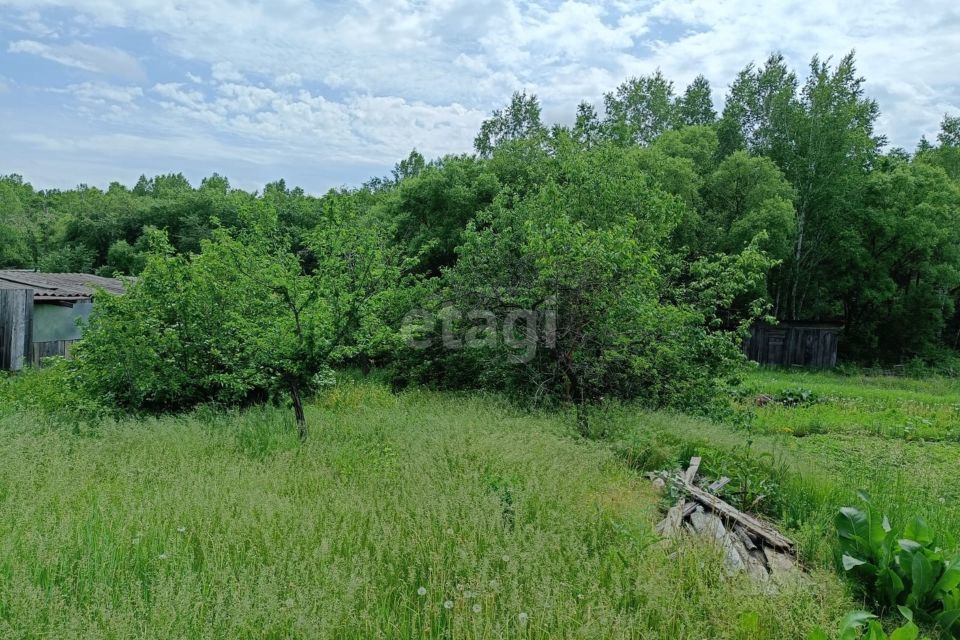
(59, 287)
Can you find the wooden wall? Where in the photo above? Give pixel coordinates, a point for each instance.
(16, 328)
(786, 345)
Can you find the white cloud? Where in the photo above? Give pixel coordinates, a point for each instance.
(104, 60)
(291, 79)
(358, 128)
(102, 93)
(348, 83)
(225, 72)
(174, 91)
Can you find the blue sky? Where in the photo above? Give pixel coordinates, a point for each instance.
(325, 94)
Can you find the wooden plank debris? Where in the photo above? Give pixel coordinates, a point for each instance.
(749, 545)
(713, 488)
(755, 526)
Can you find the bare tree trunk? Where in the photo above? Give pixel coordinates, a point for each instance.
(298, 412)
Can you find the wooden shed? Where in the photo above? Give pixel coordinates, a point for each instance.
(793, 343)
(41, 314)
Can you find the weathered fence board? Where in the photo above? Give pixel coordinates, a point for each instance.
(49, 349)
(16, 327)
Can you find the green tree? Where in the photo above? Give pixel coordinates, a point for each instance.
(823, 141)
(946, 154)
(744, 197)
(695, 106)
(901, 275)
(240, 321)
(587, 246)
(640, 109)
(409, 167)
(587, 129)
(430, 210)
(518, 120)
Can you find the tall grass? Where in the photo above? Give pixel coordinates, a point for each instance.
(415, 516)
(804, 477)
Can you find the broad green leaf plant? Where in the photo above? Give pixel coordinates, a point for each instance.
(901, 568)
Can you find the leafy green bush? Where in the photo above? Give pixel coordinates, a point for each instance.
(796, 397)
(241, 321)
(903, 569)
(852, 628)
(52, 392)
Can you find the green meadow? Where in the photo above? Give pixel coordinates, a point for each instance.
(439, 515)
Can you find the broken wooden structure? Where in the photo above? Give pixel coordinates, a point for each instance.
(749, 544)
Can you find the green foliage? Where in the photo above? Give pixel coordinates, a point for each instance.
(858, 625)
(746, 196)
(431, 209)
(518, 120)
(695, 106)
(52, 392)
(796, 397)
(241, 321)
(658, 230)
(901, 568)
(585, 246)
(641, 109)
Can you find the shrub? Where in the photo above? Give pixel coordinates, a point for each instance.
(860, 624)
(52, 392)
(796, 397)
(241, 321)
(901, 568)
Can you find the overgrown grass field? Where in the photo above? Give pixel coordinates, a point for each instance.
(801, 475)
(447, 516)
(419, 515)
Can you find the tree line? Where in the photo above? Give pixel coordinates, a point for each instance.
(656, 227)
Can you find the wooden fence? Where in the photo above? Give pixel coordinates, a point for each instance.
(49, 349)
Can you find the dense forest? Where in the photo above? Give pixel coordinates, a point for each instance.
(788, 203)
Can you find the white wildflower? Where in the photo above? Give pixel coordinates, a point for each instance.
(163, 556)
(476, 608)
(523, 617)
(422, 591)
(448, 604)
(181, 529)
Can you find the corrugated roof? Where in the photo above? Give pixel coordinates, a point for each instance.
(59, 286)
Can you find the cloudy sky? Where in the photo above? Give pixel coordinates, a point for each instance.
(328, 93)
